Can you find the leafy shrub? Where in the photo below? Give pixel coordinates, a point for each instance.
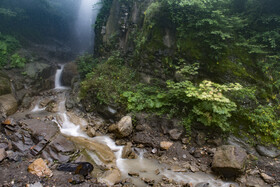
(265, 123)
(17, 61)
(8, 45)
(85, 63)
(106, 83)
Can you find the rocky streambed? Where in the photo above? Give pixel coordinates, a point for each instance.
(42, 128)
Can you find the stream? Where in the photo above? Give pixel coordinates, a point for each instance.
(146, 168)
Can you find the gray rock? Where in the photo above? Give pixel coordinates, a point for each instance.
(3, 154)
(232, 140)
(125, 126)
(8, 104)
(37, 184)
(202, 184)
(267, 178)
(229, 160)
(175, 134)
(271, 152)
(69, 72)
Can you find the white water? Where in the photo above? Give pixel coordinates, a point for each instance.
(57, 82)
(84, 32)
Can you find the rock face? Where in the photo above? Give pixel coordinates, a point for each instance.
(229, 160)
(3, 154)
(5, 86)
(268, 152)
(40, 168)
(124, 127)
(69, 72)
(8, 104)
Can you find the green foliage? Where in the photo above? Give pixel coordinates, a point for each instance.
(106, 83)
(17, 61)
(85, 63)
(265, 123)
(8, 45)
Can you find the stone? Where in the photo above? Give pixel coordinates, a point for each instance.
(36, 184)
(133, 174)
(253, 181)
(232, 140)
(76, 179)
(112, 128)
(267, 178)
(271, 152)
(175, 134)
(200, 138)
(128, 152)
(229, 160)
(13, 156)
(5, 86)
(111, 177)
(91, 132)
(125, 126)
(194, 169)
(81, 168)
(165, 145)
(3, 154)
(8, 104)
(148, 181)
(202, 184)
(39, 167)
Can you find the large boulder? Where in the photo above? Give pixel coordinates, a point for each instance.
(229, 160)
(124, 127)
(69, 72)
(8, 104)
(39, 70)
(271, 152)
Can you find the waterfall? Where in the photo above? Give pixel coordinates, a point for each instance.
(84, 32)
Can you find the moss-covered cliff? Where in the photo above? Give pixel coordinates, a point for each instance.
(210, 63)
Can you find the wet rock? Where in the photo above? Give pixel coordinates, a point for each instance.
(69, 72)
(112, 128)
(8, 104)
(202, 184)
(91, 132)
(52, 106)
(111, 177)
(133, 174)
(39, 70)
(128, 152)
(37, 149)
(267, 178)
(104, 153)
(175, 134)
(232, 140)
(194, 168)
(178, 169)
(165, 145)
(252, 181)
(148, 181)
(108, 112)
(125, 126)
(3, 154)
(5, 86)
(81, 168)
(13, 156)
(39, 167)
(59, 149)
(271, 152)
(76, 179)
(229, 160)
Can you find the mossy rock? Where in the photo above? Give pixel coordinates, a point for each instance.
(5, 85)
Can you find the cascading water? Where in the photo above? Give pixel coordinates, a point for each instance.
(84, 25)
(57, 82)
